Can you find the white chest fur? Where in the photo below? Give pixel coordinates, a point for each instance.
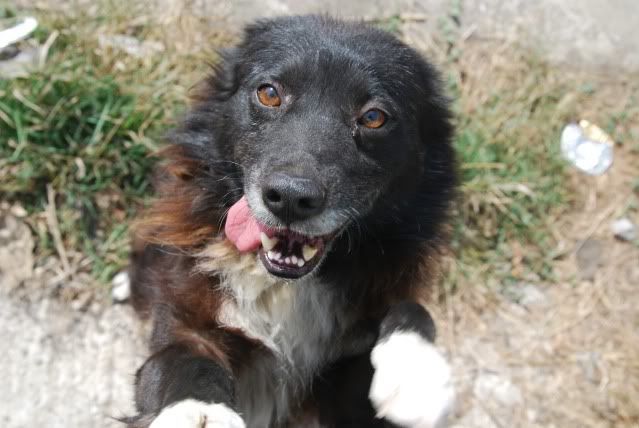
(298, 321)
(285, 316)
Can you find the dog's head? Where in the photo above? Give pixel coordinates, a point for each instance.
(326, 126)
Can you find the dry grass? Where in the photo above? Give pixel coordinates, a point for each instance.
(567, 354)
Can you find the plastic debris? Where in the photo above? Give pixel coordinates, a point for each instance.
(624, 229)
(18, 32)
(121, 290)
(587, 147)
(21, 64)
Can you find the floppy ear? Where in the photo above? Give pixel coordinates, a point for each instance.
(436, 133)
(223, 80)
(433, 113)
(191, 193)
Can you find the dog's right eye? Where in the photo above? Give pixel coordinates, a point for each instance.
(268, 96)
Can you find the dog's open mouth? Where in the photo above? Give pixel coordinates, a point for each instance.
(289, 254)
(283, 252)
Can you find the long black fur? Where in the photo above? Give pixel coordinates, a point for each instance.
(394, 186)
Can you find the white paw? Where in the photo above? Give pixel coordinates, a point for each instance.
(412, 384)
(196, 414)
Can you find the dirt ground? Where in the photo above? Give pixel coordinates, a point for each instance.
(561, 354)
(68, 355)
(558, 354)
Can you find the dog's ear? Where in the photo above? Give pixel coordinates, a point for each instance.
(223, 80)
(433, 108)
(436, 131)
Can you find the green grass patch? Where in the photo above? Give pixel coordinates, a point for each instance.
(514, 180)
(86, 125)
(77, 132)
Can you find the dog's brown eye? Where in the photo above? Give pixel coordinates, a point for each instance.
(373, 118)
(267, 94)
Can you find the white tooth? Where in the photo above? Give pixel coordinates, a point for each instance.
(294, 260)
(287, 260)
(300, 263)
(309, 252)
(268, 243)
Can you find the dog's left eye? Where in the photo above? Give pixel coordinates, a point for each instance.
(373, 118)
(267, 94)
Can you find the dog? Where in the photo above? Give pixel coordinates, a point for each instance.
(301, 210)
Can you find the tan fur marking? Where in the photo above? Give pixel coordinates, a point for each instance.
(170, 221)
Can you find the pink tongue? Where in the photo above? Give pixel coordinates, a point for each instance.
(241, 227)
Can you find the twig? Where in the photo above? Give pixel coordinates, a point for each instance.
(598, 222)
(44, 50)
(54, 229)
(403, 17)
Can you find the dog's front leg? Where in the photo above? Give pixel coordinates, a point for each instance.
(178, 389)
(411, 384)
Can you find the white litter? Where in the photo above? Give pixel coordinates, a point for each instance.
(624, 229)
(18, 32)
(121, 290)
(587, 147)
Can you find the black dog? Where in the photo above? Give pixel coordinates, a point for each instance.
(300, 214)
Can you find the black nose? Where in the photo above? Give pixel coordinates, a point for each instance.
(293, 198)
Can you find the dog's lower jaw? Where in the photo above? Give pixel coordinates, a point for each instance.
(412, 384)
(197, 414)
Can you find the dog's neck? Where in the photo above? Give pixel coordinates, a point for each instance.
(286, 316)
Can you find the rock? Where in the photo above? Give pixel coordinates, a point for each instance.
(526, 294)
(589, 362)
(497, 388)
(532, 295)
(75, 369)
(624, 229)
(82, 301)
(19, 211)
(589, 257)
(16, 252)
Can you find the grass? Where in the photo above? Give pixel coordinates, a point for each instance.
(85, 124)
(514, 180)
(76, 132)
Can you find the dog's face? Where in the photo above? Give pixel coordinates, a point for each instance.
(326, 122)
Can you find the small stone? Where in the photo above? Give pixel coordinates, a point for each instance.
(589, 258)
(624, 229)
(16, 252)
(121, 290)
(82, 301)
(19, 211)
(531, 295)
(494, 387)
(589, 362)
